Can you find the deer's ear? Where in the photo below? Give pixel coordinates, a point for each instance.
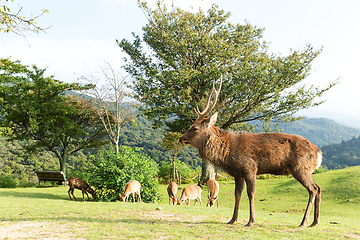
(213, 119)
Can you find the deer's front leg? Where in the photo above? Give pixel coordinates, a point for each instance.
(239, 186)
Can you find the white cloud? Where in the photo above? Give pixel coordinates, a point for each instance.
(67, 59)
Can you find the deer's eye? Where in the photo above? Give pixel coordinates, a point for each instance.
(195, 129)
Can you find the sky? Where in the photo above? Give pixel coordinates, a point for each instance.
(83, 34)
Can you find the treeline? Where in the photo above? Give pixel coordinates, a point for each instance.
(345, 154)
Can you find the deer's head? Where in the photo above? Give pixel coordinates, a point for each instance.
(200, 129)
(92, 192)
(212, 201)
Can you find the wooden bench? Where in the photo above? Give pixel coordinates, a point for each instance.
(51, 176)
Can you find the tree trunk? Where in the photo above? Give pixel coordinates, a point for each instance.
(117, 147)
(174, 169)
(207, 172)
(62, 166)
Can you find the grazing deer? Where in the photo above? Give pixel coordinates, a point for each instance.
(213, 192)
(80, 184)
(245, 155)
(192, 192)
(132, 187)
(172, 190)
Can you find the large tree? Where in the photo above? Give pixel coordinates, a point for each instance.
(181, 53)
(37, 109)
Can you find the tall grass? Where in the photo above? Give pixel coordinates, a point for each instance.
(34, 213)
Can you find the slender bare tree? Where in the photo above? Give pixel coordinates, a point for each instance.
(171, 143)
(16, 23)
(111, 101)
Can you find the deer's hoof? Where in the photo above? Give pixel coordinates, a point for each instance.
(313, 224)
(231, 221)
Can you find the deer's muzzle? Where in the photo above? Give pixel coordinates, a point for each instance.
(182, 140)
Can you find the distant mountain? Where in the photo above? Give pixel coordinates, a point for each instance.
(321, 131)
(349, 119)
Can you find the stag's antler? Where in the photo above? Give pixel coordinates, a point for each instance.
(201, 115)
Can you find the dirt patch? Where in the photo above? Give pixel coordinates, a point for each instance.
(161, 215)
(33, 230)
(355, 235)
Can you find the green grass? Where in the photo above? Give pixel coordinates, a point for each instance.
(33, 213)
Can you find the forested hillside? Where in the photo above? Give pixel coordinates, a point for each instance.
(142, 135)
(342, 155)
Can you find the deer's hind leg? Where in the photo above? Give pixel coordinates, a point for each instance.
(251, 186)
(314, 197)
(317, 206)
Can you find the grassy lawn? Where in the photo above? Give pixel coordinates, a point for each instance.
(41, 213)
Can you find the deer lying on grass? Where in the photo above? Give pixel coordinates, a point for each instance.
(245, 155)
(192, 192)
(213, 192)
(80, 184)
(172, 190)
(132, 187)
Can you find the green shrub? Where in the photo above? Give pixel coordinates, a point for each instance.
(7, 181)
(26, 184)
(321, 169)
(112, 171)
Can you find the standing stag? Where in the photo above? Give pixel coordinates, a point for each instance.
(213, 192)
(80, 184)
(172, 190)
(245, 155)
(132, 187)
